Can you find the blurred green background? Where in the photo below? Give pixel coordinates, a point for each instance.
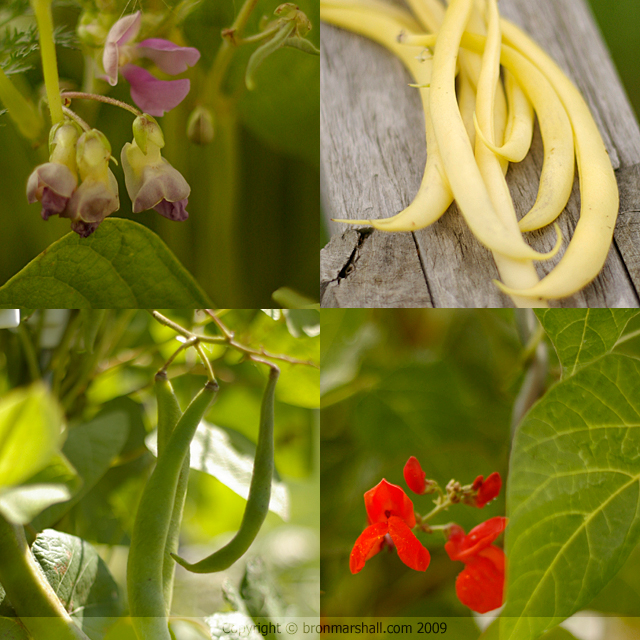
(619, 23)
(255, 190)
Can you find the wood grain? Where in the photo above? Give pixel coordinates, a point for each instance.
(372, 160)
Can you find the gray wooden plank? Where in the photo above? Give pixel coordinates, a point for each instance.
(373, 154)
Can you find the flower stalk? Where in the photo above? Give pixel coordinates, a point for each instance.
(42, 10)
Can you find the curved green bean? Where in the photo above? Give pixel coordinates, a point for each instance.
(151, 528)
(169, 413)
(259, 492)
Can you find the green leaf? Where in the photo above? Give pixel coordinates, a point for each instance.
(20, 504)
(55, 483)
(11, 630)
(30, 433)
(91, 448)
(582, 335)
(79, 578)
(122, 265)
(573, 497)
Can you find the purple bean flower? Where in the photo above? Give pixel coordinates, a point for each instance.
(97, 195)
(152, 183)
(153, 96)
(54, 182)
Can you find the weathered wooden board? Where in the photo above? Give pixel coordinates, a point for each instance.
(373, 155)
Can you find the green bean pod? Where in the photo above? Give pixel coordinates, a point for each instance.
(259, 493)
(169, 413)
(151, 528)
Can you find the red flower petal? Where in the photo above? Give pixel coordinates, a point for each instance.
(480, 586)
(489, 489)
(410, 549)
(369, 543)
(476, 540)
(414, 476)
(477, 483)
(386, 500)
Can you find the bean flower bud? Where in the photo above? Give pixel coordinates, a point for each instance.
(54, 182)
(200, 126)
(97, 195)
(152, 183)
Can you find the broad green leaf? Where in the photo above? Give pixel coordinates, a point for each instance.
(79, 578)
(55, 483)
(582, 335)
(230, 460)
(91, 448)
(20, 504)
(573, 497)
(11, 630)
(122, 265)
(30, 433)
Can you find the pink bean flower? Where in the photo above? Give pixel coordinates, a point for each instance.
(153, 96)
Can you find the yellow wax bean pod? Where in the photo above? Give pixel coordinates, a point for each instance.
(457, 155)
(586, 254)
(519, 132)
(556, 179)
(434, 195)
(511, 271)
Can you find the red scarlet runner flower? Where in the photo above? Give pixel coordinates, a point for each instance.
(414, 476)
(487, 489)
(480, 586)
(390, 511)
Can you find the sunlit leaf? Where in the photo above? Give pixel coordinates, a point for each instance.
(30, 433)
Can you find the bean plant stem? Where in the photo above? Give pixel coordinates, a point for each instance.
(213, 91)
(227, 338)
(42, 10)
(29, 352)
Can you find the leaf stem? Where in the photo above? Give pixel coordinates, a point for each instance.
(42, 10)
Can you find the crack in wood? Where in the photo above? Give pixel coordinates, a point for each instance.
(350, 264)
